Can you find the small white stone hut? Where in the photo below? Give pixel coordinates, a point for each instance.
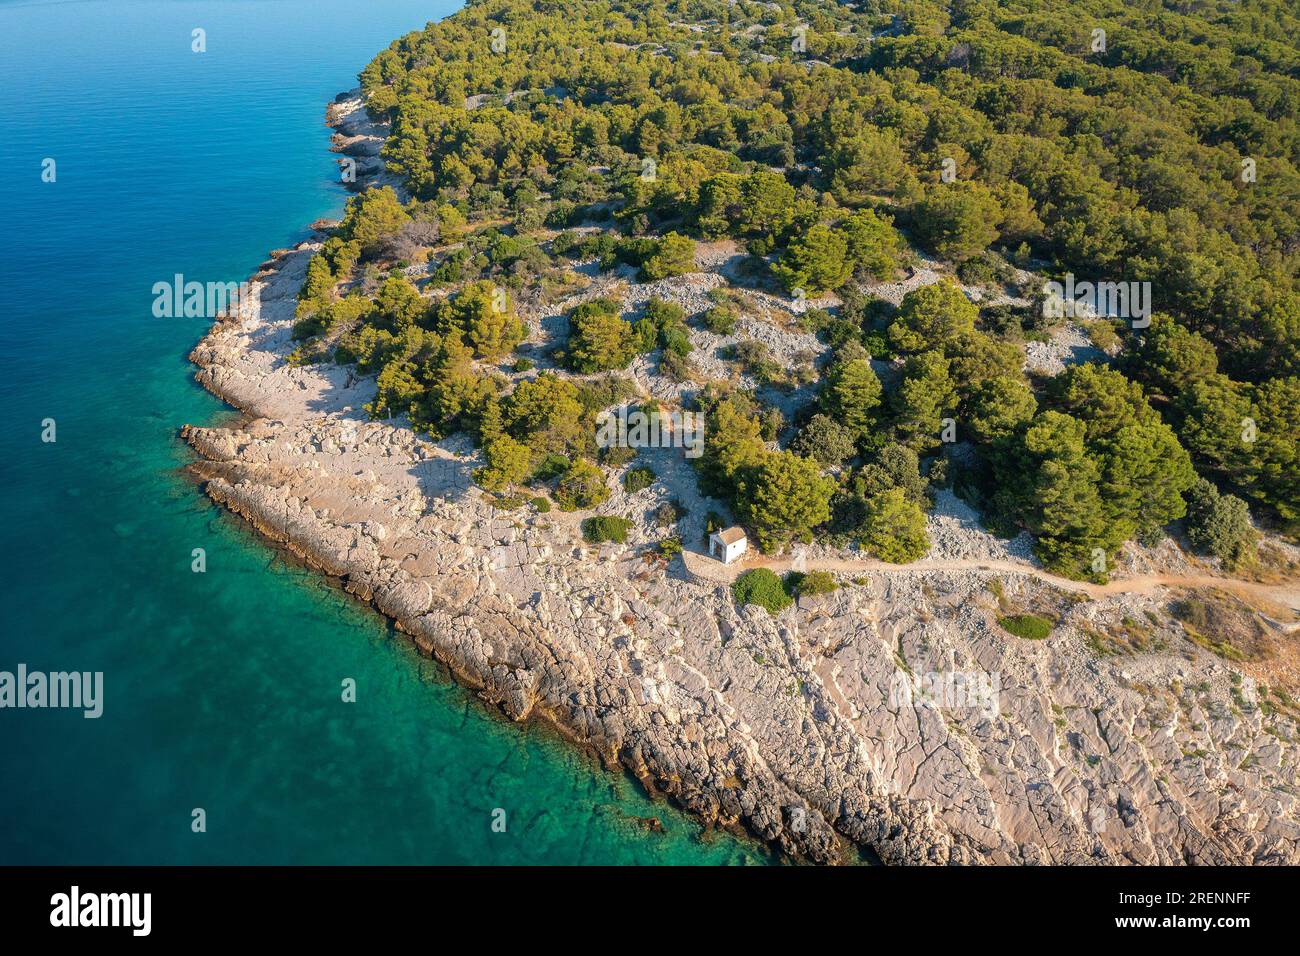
(728, 544)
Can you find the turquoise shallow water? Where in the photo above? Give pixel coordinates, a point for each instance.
(222, 690)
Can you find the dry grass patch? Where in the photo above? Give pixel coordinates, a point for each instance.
(1224, 625)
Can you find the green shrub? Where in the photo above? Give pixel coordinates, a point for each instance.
(669, 513)
(814, 320)
(670, 547)
(309, 353)
(810, 584)
(583, 486)
(676, 367)
(551, 466)
(599, 394)
(638, 479)
(566, 242)
(523, 364)
(507, 463)
(541, 505)
(606, 528)
(838, 331)
(1103, 335)
(674, 256)
(1029, 626)
(721, 319)
(825, 441)
(616, 456)
(678, 341)
(1220, 524)
(663, 313)
(877, 345)
(761, 586)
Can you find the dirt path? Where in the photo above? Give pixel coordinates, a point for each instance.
(1286, 594)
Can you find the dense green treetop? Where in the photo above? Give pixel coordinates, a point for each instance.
(830, 143)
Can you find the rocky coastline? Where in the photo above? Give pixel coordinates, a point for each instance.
(792, 726)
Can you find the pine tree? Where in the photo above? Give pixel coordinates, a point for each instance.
(894, 529)
(508, 463)
(999, 407)
(1065, 510)
(599, 339)
(851, 395)
(1144, 474)
(734, 443)
(923, 397)
(931, 317)
(815, 262)
(783, 498)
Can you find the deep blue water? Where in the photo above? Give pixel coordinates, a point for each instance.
(222, 689)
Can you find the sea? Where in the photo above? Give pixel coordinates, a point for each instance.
(141, 139)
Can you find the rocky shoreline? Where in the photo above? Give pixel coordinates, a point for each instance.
(790, 727)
